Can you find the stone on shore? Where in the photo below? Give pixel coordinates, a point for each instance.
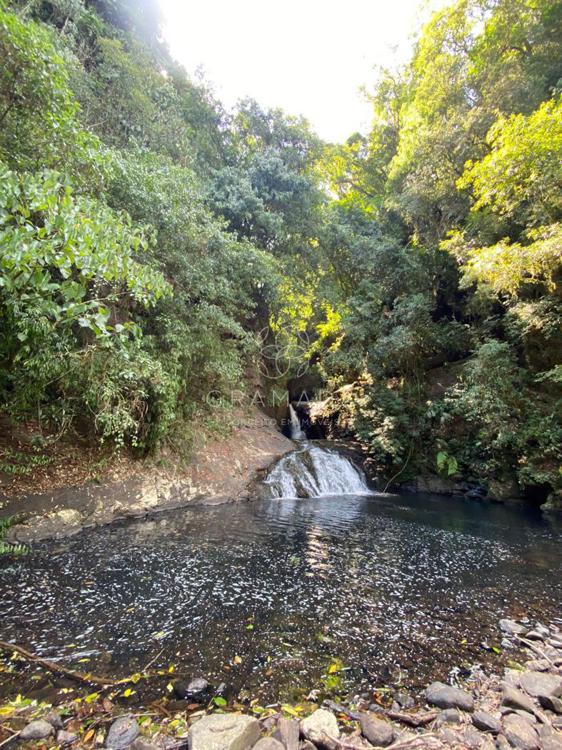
(268, 743)
(195, 689)
(224, 732)
(379, 733)
(541, 683)
(37, 730)
(551, 703)
(319, 724)
(520, 733)
(486, 722)
(512, 628)
(66, 738)
(122, 733)
(449, 716)
(514, 698)
(287, 733)
(445, 696)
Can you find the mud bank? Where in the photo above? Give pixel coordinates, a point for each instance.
(219, 471)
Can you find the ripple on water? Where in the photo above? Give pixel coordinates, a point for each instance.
(391, 585)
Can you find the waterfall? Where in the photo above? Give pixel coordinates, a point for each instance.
(294, 422)
(313, 471)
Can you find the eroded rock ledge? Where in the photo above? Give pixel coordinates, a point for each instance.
(219, 472)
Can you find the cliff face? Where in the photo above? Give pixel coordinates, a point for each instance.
(220, 470)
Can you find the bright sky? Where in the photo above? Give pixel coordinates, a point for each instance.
(309, 57)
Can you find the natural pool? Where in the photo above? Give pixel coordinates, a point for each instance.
(264, 595)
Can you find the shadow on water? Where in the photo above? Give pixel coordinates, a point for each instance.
(401, 588)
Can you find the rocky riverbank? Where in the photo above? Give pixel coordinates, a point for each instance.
(521, 709)
(220, 470)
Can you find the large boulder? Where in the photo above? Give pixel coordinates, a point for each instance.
(445, 696)
(224, 732)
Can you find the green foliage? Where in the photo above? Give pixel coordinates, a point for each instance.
(10, 548)
(38, 112)
(147, 236)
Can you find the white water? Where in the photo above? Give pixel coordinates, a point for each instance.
(296, 431)
(314, 472)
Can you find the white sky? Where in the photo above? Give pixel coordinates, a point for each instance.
(309, 57)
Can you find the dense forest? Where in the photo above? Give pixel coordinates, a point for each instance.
(149, 236)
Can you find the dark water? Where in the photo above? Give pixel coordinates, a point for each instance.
(401, 589)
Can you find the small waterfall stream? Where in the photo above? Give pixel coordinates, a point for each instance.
(313, 471)
(295, 425)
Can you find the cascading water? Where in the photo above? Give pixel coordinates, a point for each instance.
(313, 471)
(295, 425)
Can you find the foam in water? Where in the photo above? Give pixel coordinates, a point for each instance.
(315, 472)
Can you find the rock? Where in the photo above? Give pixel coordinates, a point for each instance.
(37, 730)
(268, 743)
(551, 743)
(404, 700)
(486, 722)
(142, 743)
(379, 733)
(223, 732)
(358, 743)
(122, 733)
(287, 732)
(54, 719)
(66, 738)
(534, 635)
(449, 716)
(512, 628)
(537, 665)
(504, 490)
(516, 699)
(474, 740)
(318, 724)
(306, 745)
(520, 734)
(551, 703)
(449, 737)
(553, 502)
(541, 683)
(445, 696)
(195, 689)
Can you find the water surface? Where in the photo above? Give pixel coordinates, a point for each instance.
(401, 589)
